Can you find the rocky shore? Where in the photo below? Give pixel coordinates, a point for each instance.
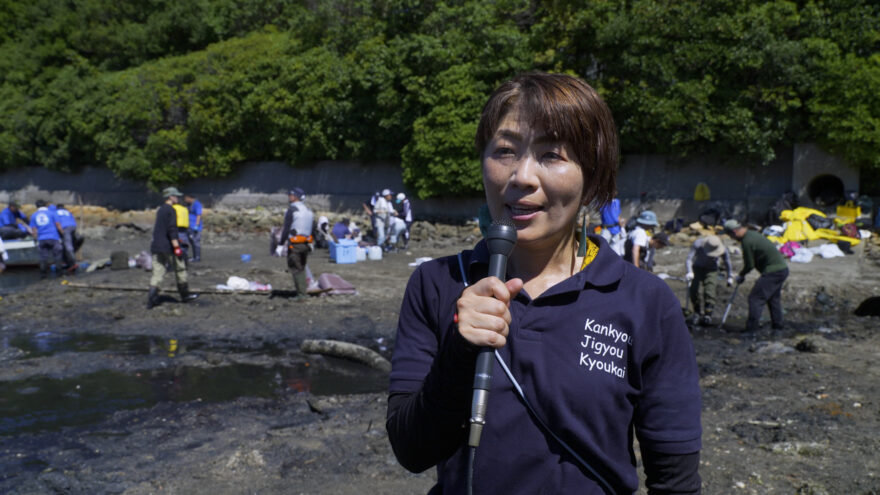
(795, 412)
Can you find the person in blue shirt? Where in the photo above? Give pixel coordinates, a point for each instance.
(48, 230)
(68, 234)
(195, 225)
(612, 231)
(590, 352)
(340, 230)
(10, 228)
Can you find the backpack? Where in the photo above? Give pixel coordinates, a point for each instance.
(850, 230)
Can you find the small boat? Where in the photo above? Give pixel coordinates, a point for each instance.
(22, 252)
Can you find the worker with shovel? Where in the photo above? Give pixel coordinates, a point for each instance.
(760, 253)
(702, 272)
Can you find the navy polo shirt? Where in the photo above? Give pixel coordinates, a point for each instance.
(600, 355)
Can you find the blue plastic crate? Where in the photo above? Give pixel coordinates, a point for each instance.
(344, 251)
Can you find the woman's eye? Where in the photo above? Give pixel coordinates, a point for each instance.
(551, 156)
(503, 151)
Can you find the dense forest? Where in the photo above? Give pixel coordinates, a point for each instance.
(166, 91)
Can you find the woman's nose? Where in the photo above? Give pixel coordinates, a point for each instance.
(525, 173)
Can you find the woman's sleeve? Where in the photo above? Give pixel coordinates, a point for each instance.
(431, 378)
(671, 473)
(667, 417)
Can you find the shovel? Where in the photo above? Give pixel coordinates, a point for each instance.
(729, 304)
(687, 295)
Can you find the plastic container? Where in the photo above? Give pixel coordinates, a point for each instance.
(344, 251)
(361, 254)
(374, 253)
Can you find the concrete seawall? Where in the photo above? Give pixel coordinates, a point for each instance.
(658, 182)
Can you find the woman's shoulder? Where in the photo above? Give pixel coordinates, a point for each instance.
(645, 282)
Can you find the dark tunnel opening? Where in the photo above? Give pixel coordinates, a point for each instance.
(825, 190)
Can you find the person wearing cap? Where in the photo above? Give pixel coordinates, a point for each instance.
(640, 245)
(68, 234)
(612, 226)
(48, 231)
(381, 215)
(194, 233)
(10, 228)
(702, 272)
(166, 250)
(761, 254)
(405, 214)
(297, 233)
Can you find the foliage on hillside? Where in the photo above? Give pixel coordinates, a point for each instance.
(166, 92)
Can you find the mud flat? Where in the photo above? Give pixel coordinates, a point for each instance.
(100, 395)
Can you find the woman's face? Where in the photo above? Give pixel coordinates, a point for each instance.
(532, 179)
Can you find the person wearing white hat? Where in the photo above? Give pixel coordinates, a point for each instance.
(702, 272)
(381, 212)
(640, 244)
(406, 214)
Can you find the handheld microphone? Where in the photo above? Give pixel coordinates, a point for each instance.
(500, 239)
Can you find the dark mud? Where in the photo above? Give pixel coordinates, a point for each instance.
(100, 395)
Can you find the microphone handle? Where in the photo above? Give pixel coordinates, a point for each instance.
(485, 362)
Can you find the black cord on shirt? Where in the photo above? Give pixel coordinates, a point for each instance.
(470, 472)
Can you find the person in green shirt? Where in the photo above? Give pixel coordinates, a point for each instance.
(761, 254)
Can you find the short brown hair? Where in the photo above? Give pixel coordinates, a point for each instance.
(570, 109)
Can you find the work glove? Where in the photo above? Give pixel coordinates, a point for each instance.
(689, 276)
(279, 250)
(730, 281)
(740, 279)
(4, 255)
(178, 252)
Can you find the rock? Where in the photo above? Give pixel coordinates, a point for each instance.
(812, 488)
(771, 348)
(798, 448)
(808, 345)
(248, 460)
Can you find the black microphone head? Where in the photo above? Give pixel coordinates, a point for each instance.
(501, 237)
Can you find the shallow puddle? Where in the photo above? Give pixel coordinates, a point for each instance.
(48, 343)
(14, 278)
(40, 404)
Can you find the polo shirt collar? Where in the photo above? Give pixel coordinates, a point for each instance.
(606, 269)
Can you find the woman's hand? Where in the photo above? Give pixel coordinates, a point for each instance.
(484, 311)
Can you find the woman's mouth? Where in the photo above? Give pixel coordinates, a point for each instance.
(519, 213)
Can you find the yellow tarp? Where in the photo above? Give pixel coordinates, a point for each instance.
(797, 228)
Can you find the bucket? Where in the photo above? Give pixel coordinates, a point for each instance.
(374, 253)
(361, 254)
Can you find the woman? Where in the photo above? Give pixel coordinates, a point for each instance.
(598, 348)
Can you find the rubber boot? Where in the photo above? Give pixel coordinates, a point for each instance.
(299, 280)
(153, 298)
(185, 295)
